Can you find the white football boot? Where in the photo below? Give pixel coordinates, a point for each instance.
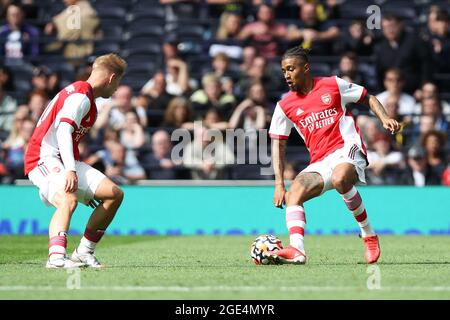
(63, 263)
(89, 259)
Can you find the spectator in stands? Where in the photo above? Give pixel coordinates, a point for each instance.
(348, 69)
(265, 33)
(75, 41)
(37, 101)
(392, 107)
(249, 53)
(17, 38)
(212, 119)
(158, 164)
(206, 158)
(428, 90)
(212, 96)
(357, 39)
(417, 172)
(403, 50)
(178, 114)
(382, 160)
(6, 79)
(250, 114)
(113, 114)
(259, 71)
(431, 21)
(157, 97)
(15, 149)
(423, 124)
(177, 78)
(156, 90)
(132, 137)
(22, 114)
(313, 33)
(441, 42)
(434, 144)
(43, 79)
(114, 160)
(394, 83)
(221, 66)
(432, 107)
(8, 106)
(229, 26)
(438, 35)
(370, 130)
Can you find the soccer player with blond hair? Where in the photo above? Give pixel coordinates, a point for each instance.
(52, 163)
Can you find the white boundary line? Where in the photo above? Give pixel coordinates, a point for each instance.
(222, 288)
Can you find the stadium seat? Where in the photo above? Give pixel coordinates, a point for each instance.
(147, 68)
(140, 45)
(100, 4)
(112, 13)
(154, 31)
(157, 13)
(190, 32)
(103, 47)
(112, 32)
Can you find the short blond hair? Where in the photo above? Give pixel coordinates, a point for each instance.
(112, 62)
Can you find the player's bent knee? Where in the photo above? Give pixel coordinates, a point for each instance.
(118, 194)
(69, 201)
(341, 183)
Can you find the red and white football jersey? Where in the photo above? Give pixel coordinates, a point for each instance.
(75, 105)
(320, 117)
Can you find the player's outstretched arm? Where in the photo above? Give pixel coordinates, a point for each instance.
(278, 156)
(375, 105)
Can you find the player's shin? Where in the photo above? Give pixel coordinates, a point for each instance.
(354, 203)
(296, 222)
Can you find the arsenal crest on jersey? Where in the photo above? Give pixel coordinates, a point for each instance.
(326, 98)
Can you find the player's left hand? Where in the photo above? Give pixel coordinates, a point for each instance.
(392, 125)
(71, 182)
(279, 196)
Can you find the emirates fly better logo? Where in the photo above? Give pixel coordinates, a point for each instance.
(317, 120)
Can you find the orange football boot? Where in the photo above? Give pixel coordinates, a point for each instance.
(372, 249)
(288, 255)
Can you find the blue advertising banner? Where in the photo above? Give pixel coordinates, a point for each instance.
(236, 210)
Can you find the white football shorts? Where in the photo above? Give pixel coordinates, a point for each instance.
(348, 154)
(50, 177)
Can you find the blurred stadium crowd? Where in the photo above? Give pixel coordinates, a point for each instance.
(218, 61)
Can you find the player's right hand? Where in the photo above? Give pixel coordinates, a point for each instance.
(71, 182)
(279, 196)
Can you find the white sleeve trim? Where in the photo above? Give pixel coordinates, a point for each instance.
(281, 125)
(350, 92)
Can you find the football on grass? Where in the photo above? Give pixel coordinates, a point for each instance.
(263, 246)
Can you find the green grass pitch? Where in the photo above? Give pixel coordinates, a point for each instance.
(219, 267)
